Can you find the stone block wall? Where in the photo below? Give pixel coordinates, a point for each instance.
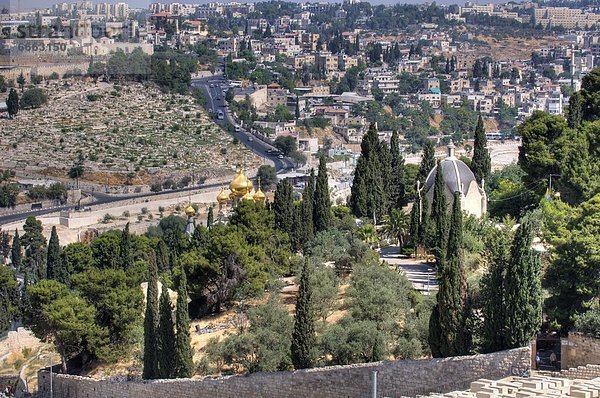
(395, 379)
(580, 350)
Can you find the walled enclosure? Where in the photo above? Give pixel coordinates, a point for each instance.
(394, 379)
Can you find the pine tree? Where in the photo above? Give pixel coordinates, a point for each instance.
(184, 365)
(16, 253)
(283, 207)
(12, 103)
(451, 338)
(481, 164)
(322, 201)
(151, 324)
(210, 218)
(396, 187)
(427, 162)
(56, 267)
(303, 336)
(126, 256)
(523, 300)
(439, 218)
(166, 337)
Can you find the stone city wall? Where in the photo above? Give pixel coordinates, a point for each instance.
(580, 350)
(394, 379)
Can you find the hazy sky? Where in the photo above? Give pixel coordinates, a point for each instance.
(145, 3)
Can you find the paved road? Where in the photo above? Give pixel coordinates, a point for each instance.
(419, 273)
(216, 100)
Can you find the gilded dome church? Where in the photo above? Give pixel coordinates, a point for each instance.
(459, 177)
(240, 189)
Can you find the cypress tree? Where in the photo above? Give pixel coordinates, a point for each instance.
(415, 221)
(481, 164)
(306, 209)
(493, 292)
(184, 365)
(16, 253)
(56, 267)
(439, 218)
(125, 249)
(303, 336)
(427, 162)
(523, 300)
(166, 337)
(322, 201)
(5, 245)
(368, 196)
(210, 218)
(12, 103)
(283, 206)
(396, 187)
(447, 336)
(151, 324)
(425, 221)
(162, 255)
(575, 112)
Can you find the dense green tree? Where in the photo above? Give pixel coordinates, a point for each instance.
(322, 200)
(16, 253)
(151, 321)
(35, 249)
(497, 256)
(33, 98)
(62, 317)
(396, 226)
(303, 335)
(106, 250)
(21, 81)
(396, 187)
(118, 300)
(268, 177)
(12, 103)
(286, 144)
(56, 266)
(4, 245)
(439, 219)
(9, 297)
(523, 300)
(125, 254)
(427, 162)
(575, 260)
(368, 194)
(306, 210)
(184, 354)
(575, 110)
(481, 163)
(451, 337)
(162, 256)
(166, 337)
(283, 207)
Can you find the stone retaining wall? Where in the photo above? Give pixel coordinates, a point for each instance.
(580, 350)
(395, 379)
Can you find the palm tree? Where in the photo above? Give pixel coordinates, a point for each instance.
(396, 226)
(368, 234)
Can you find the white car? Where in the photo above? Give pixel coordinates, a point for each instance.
(280, 156)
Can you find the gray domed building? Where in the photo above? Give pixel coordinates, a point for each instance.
(459, 177)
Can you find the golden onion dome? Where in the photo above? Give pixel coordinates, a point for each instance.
(223, 197)
(239, 184)
(190, 211)
(259, 196)
(248, 197)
